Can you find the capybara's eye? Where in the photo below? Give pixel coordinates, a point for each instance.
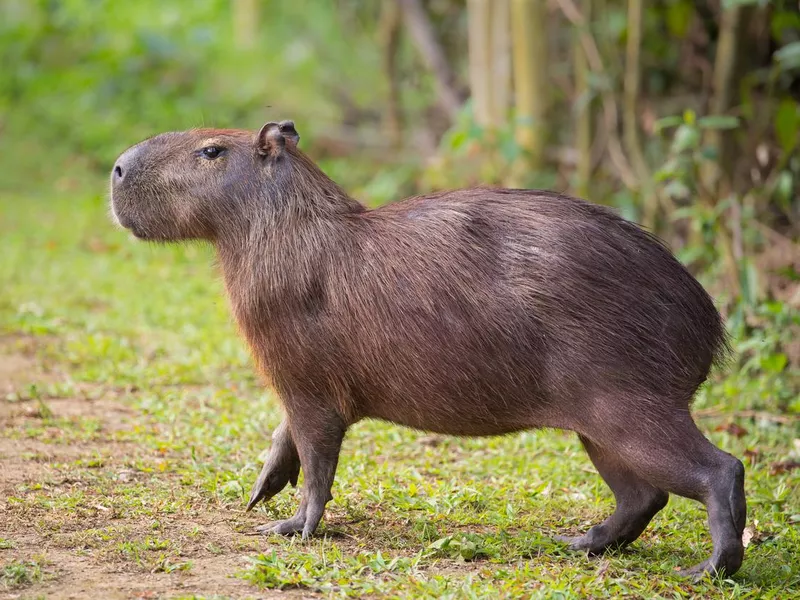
(211, 152)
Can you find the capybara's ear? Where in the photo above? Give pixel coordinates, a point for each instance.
(289, 132)
(270, 141)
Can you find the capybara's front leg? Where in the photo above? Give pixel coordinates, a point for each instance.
(281, 467)
(317, 435)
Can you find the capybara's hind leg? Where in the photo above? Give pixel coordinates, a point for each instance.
(637, 503)
(673, 455)
(727, 513)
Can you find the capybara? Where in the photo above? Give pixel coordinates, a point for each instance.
(470, 312)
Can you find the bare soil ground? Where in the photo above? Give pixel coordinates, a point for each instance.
(82, 553)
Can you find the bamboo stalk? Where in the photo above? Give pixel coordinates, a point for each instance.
(421, 30)
(479, 32)
(389, 33)
(595, 61)
(500, 72)
(583, 126)
(531, 89)
(725, 68)
(630, 120)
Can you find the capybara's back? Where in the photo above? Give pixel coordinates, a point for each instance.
(486, 311)
(471, 312)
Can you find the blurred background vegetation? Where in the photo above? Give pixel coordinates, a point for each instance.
(684, 115)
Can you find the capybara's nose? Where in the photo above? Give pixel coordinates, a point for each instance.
(125, 165)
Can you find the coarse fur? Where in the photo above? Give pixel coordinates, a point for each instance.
(468, 312)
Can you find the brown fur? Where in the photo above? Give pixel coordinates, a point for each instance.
(470, 312)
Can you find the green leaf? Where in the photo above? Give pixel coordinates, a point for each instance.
(709, 153)
(787, 124)
(469, 550)
(677, 189)
(788, 57)
(784, 21)
(686, 137)
(232, 489)
(441, 543)
(691, 254)
(784, 189)
(509, 148)
(748, 281)
(789, 272)
(718, 122)
(667, 122)
(727, 4)
(457, 140)
(721, 206)
(774, 363)
(679, 17)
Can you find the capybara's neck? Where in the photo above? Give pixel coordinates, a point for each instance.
(284, 246)
(303, 189)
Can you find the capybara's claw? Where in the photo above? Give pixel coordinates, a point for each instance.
(273, 479)
(287, 527)
(281, 467)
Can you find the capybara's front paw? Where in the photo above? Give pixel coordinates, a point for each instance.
(279, 469)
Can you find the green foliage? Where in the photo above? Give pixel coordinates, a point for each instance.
(17, 574)
(473, 155)
(787, 125)
(91, 77)
(709, 219)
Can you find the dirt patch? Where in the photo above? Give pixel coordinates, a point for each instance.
(17, 363)
(57, 510)
(74, 576)
(12, 367)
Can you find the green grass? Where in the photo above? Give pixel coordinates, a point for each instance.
(17, 574)
(140, 425)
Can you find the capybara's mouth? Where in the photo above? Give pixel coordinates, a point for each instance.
(137, 231)
(126, 223)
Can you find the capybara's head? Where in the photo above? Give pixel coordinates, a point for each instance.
(190, 185)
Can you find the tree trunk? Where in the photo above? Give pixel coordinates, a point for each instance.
(615, 152)
(726, 62)
(500, 60)
(630, 116)
(424, 36)
(389, 32)
(583, 126)
(478, 31)
(531, 87)
(489, 64)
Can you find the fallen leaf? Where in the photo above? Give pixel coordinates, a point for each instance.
(783, 467)
(733, 429)
(601, 570)
(99, 246)
(747, 535)
(432, 441)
